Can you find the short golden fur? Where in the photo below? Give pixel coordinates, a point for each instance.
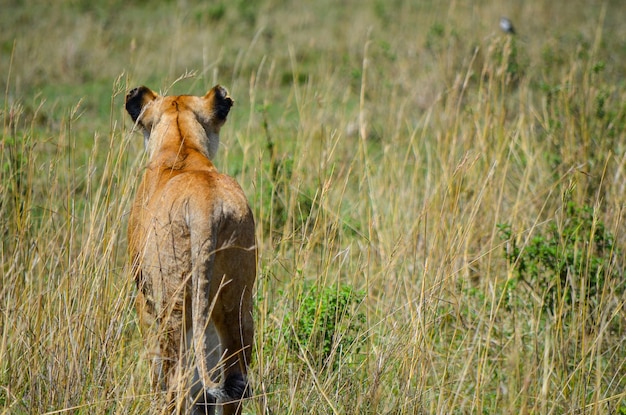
(192, 248)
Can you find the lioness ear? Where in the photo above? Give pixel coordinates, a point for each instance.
(136, 100)
(220, 101)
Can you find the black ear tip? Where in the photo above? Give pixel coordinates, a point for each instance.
(223, 102)
(133, 93)
(134, 101)
(222, 94)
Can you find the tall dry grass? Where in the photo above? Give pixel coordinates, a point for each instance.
(69, 341)
(381, 146)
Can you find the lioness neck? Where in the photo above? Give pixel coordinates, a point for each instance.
(175, 144)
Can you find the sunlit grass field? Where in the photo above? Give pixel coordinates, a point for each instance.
(440, 205)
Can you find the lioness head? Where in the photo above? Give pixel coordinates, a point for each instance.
(202, 116)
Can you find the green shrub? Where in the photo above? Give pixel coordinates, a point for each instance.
(324, 325)
(571, 261)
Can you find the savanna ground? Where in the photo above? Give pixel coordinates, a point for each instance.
(440, 206)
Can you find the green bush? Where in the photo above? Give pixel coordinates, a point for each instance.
(324, 326)
(571, 261)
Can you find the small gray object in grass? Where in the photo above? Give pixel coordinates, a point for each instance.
(506, 25)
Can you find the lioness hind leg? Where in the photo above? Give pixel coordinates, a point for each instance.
(168, 370)
(236, 331)
(238, 345)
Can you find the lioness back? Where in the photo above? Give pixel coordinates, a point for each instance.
(192, 246)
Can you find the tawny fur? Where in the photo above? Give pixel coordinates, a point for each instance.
(192, 249)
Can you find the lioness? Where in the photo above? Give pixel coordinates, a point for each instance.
(192, 248)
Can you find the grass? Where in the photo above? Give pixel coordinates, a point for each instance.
(384, 147)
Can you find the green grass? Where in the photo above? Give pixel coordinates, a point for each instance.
(384, 148)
